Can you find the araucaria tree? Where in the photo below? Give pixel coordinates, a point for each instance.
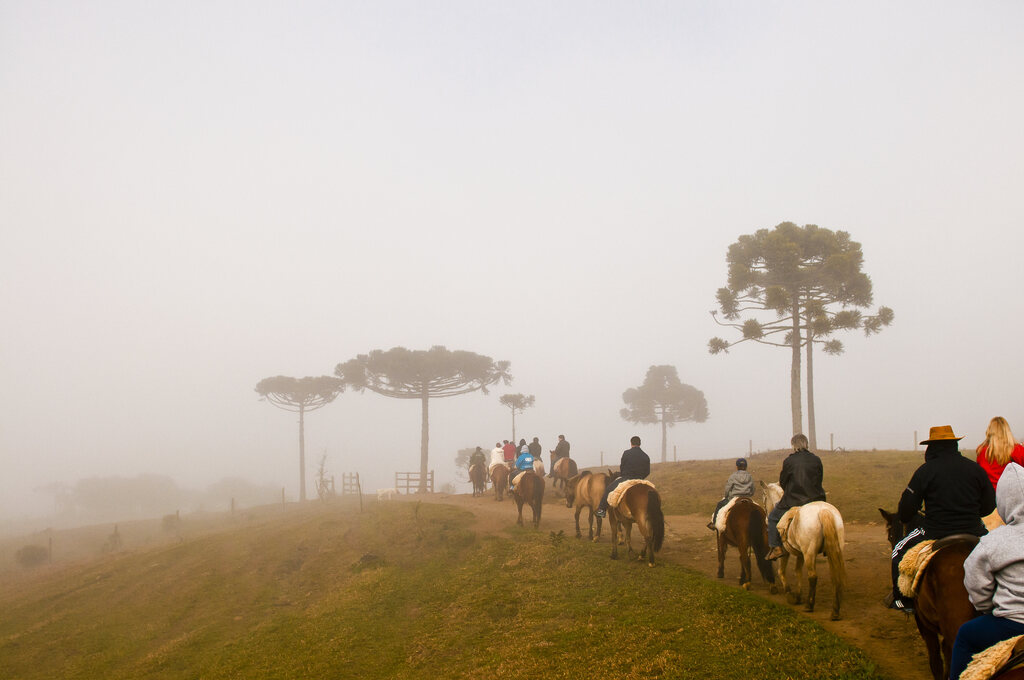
(662, 398)
(422, 374)
(300, 394)
(517, 403)
(794, 287)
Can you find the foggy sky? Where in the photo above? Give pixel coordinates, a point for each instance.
(197, 196)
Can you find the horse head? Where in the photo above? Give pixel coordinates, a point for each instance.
(570, 491)
(895, 529)
(772, 495)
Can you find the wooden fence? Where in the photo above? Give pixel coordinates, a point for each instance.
(409, 482)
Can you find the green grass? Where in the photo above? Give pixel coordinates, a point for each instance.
(857, 483)
(402, 591)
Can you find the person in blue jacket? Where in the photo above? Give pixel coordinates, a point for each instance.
(523, 462)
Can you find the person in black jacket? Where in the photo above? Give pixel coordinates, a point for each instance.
(635, 464)
(956, 494)
(800, 480)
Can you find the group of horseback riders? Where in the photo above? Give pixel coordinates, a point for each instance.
(956, 494)
(518, 458)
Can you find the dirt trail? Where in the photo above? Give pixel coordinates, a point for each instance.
(890, 639)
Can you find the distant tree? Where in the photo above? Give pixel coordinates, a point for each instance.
(794, 287)
(401, 373)
(301, 395)
(462, 461)
(662, 398)
(517, 403)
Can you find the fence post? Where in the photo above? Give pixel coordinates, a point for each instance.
(750, 450)
(232, 505)
(674, 456)
(831, 442)
(915, 440)
(282, 495)
(602, 459)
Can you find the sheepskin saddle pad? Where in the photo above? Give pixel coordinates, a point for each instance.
(987, 663)
(723, 514)
(616, 495)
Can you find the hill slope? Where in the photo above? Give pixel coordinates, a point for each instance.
(404, 590)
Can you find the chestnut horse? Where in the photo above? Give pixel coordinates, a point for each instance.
(478, 475)
(499, 478)
(745, 528)
(529, 489)
(586, 490)
(641, 504)
(816, 527)
(941, 605)
(562, 470)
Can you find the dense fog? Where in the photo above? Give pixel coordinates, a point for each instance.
(194, 197)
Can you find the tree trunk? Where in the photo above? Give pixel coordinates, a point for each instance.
(302, 453)
(513, 426)
(794, 371)
(812, 435)
(664, 436)
(424, 438)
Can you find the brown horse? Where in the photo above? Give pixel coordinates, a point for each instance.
(586, 490)
(640, 504)
(746, 529)
(529, 489)
(562, 470)
(478, 476)
(499, 478)
(941, 605)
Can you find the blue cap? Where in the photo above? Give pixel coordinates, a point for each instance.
(741, 462)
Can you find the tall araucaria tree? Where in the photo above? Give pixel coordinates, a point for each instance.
(301, 395)
(794, 287)
(436, 373)
(517, 403)
(663, 398)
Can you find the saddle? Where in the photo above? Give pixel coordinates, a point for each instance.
(515, 480)
(997, 659)
(723, 514)
(615, 497)
(916, 559)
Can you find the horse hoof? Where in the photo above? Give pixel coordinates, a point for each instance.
(650, 565)
(773, 589)
(809, 608)
(835, 617)
(746, 586)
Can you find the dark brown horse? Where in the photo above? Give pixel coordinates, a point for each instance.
(746, 529)
(529, 489)
(586, 490)
(499, 478)
(941, 605)
(562, 470)
(478, 475)
(640, 504)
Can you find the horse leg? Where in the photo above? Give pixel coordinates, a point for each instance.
(590, 523)
(746, 576)
(536, 506)
(931, 642)
(721, 555)
(520, 504)
(612, 520)
(812, 580)
(579, 509)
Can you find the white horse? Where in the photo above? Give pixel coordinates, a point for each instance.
(808, 530)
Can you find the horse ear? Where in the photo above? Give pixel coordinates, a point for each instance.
(888, 516)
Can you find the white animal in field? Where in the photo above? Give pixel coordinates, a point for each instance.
(387, 494)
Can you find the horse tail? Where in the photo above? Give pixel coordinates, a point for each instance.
(656, 519)
(573, 468)
(757, 534)
(538, 493)
(833, 548)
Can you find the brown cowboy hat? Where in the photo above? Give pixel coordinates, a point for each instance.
(941, 433)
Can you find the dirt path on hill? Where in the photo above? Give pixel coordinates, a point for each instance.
(888, 638)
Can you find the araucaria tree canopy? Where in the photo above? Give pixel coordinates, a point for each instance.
(794, 287)
(517, 403)
(663, 398)
(300, 394)
(402, 373)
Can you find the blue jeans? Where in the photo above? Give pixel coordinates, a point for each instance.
(978, 634)
(774, 540)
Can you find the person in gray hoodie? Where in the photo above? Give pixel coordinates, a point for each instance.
(740, 483)
(994, 577)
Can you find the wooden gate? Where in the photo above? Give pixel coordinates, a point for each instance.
(409, 482)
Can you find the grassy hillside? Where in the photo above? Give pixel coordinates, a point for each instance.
(402, 591)
(857, 483)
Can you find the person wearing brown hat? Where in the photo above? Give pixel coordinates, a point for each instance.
(955, 493)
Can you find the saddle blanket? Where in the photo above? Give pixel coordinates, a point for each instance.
(490, 470)
(723, 514)
(988, 662)
(515, 480)
(912, 566)
(616, 495)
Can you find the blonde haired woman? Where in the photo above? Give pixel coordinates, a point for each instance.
(998, 449)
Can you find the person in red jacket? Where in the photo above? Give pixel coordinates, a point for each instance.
(998, 449)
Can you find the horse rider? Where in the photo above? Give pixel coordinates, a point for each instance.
(635, 464)
(994, 577)
(523, 463)
(956, 494)
(497, 456)
(477, 456)
(561, 451)
(510, 453)
(800, 480)
(536, 449)
(740, 483)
